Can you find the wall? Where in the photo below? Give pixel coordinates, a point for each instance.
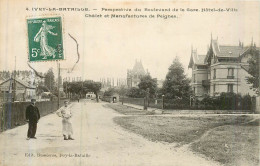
(221, 81)
(13, 114)
(245, 87)
(257, 109)
(200, 74)
(110, 98)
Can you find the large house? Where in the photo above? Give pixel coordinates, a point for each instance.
(23, 90)
(134, 75)
(223, 69)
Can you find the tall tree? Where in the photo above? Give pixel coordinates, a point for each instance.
(110, 92)
(135, 93)
(254, 67)
(148, 82)
(92, 86)
(49, 80)
(176, 85)
(122, 90)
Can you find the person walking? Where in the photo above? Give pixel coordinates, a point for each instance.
(32, 117)
(65, 113)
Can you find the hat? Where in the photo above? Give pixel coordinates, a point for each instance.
(33, 100)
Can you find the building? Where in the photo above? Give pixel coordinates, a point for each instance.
(223, 69)
(107, 83)
(134, 75)
(2, 79)
(23, 90)
(90, 95)
(113, 98)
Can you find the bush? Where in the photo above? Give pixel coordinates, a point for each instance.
(136, 93)
(227, 101)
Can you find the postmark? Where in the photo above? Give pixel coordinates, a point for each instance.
(45, 38)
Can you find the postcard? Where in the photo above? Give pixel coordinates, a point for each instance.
(127, 83)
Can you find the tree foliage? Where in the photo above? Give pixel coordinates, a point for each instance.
(135, 93)
(92, 86)
(49, 80)
(110, 92)
(148, 82)
(40, 89)
(80, 88)
(254, 63)
(122, 91)
(176, 85)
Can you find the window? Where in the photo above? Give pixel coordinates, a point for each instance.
(214, 73)
(194, 78)
(230, 73)
(202, 67)
(230, 87)
(194, 90)
(214, 88)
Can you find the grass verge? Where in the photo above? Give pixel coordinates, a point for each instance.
(228, 139)
(126, 110)
(231, 144)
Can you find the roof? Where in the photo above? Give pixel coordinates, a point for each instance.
(227, 51)
(196, 59)
(26, 84)
(2, 79)
(199, 59)
(138, 68)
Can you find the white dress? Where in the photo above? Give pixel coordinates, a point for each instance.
(65, 114)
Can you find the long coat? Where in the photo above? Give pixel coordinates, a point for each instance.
(32, 114)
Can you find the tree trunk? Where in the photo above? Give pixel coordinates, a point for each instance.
(97, 97)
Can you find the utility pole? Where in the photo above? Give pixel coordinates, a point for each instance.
(58, 85)
(14, 83)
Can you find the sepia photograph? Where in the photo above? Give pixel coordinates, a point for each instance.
(129, 83)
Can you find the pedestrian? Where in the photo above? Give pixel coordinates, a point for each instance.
(65, 113)
(32, 117)
(78, 99)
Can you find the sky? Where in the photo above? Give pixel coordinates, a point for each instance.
(108, 47)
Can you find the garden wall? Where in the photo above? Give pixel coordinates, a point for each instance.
(13, 114)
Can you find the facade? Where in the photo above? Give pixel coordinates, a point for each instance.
(134, 75)
(223, 69)
(1, 79)
(27, 76)
(90, 95)
(23, 90)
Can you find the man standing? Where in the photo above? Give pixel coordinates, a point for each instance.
(33, 116)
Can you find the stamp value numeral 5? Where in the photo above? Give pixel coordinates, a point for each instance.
(35, 52)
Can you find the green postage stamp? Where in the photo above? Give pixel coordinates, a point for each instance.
(45, 41)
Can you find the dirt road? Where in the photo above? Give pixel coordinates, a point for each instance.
(98, 141)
